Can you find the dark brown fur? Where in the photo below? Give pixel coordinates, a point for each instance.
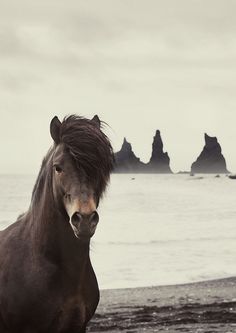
(47, 283)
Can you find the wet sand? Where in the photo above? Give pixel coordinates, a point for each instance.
(198, 307)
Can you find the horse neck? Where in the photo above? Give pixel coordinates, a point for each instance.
(52, 234)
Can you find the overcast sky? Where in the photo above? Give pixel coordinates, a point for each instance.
(140, 65)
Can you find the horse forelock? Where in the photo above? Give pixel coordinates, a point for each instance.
(91, 151)
(90, 148)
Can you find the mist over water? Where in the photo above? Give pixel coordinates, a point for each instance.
(154, 229)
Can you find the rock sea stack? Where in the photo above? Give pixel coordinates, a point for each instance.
(126, 160)
(211, 159)
(159, 161)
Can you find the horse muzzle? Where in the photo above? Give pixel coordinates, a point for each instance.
(84, 225)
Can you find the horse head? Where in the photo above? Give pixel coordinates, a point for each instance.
(81, 163)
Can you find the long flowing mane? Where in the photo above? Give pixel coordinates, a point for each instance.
(90, 148)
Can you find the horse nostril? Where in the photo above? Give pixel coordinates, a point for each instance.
(94, 218)
(76, 219)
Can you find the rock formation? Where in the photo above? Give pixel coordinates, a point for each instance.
(126, 161)
(159, 161)
(211, 159)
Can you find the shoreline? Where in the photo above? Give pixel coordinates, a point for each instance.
(208, 306)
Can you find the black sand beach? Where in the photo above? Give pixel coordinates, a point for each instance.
(198, 307)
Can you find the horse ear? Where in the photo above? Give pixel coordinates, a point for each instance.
(55, 127)
(96, 121)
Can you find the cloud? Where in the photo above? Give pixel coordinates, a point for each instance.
(159, 62)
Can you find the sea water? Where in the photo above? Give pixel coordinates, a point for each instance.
(153, 229)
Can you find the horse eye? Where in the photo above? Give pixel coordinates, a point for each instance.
(58, 168)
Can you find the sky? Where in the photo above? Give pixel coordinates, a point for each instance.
(141, 65)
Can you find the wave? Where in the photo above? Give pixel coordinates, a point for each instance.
(167, 241)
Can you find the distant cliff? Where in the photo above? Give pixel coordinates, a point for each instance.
(127, 162)
(211, 159)
(159, 161)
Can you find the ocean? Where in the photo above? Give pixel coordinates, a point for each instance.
(153, 229)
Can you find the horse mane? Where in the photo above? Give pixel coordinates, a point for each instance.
(90, 148)
(42, 177)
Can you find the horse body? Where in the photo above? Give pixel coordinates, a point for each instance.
(47, 283)
(51, 291)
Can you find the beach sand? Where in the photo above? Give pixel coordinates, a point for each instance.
(198, 307)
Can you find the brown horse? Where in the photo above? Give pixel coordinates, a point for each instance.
(47, 283)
